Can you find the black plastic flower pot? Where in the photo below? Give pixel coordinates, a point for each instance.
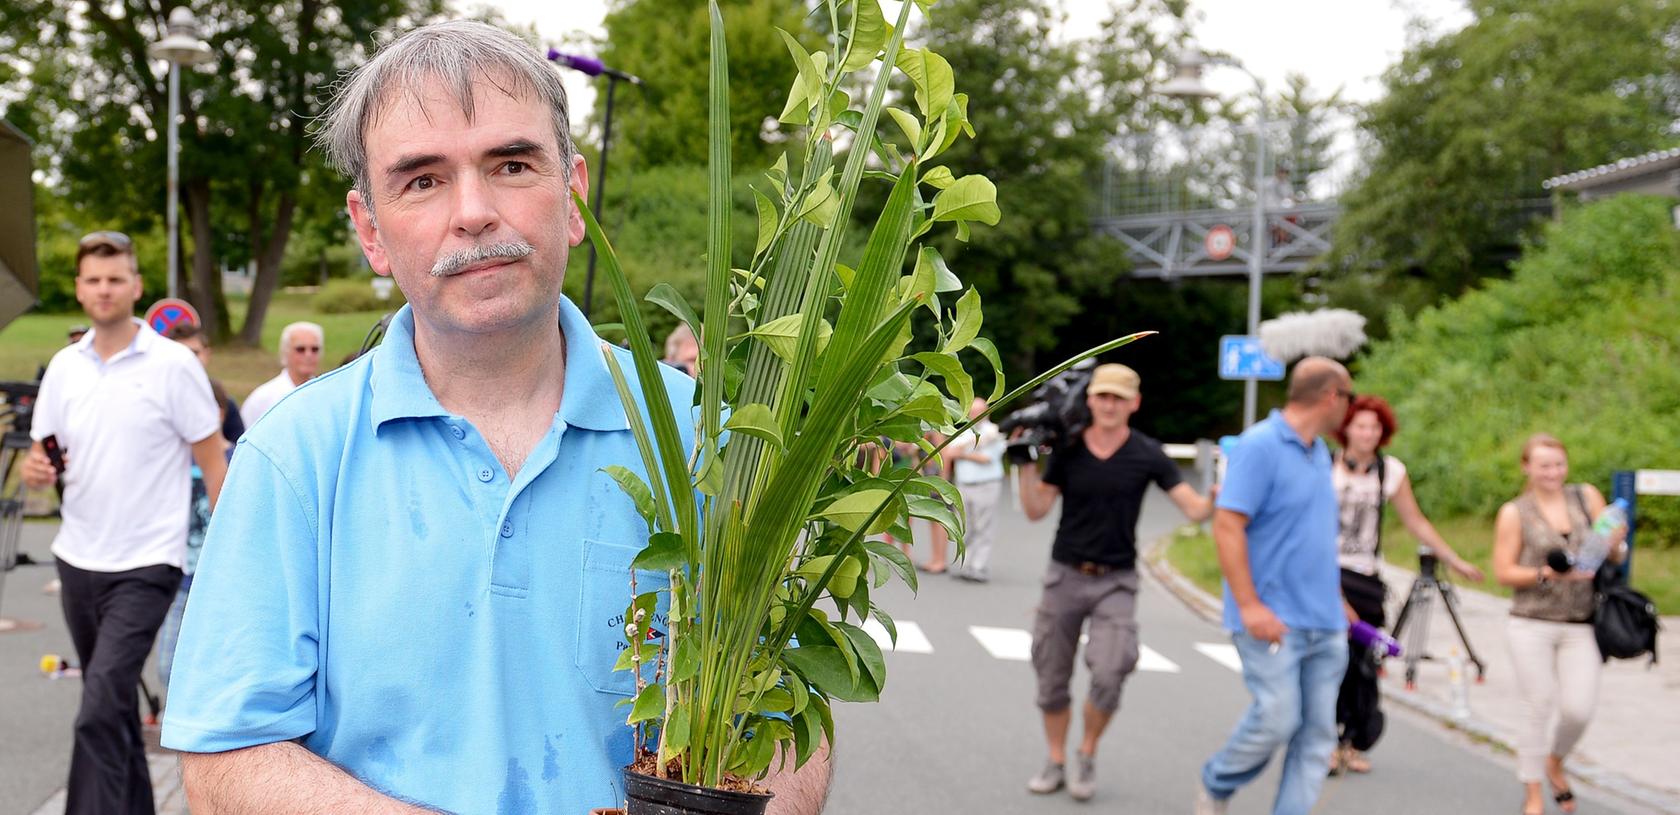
(659, 796)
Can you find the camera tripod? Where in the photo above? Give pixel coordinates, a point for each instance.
(1417, 610)
(13, 447)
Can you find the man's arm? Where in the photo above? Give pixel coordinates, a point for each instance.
(38, 472)
(280, 779)
(1230, 536)
(1037, 497)
(804, 791)
(1191, 503)
(210, 454)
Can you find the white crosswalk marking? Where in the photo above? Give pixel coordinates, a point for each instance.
(1222, 653)
(1151, 660)
(911, 638)
(1004, 643)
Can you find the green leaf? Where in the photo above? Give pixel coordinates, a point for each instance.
(928, 509)
(821, 205)
(645, 604)
(665, 551)
(806, 87)
(824, 667)
(918, 286)
(970, 198)
(778, 172)
(912, 128)
(685, 660)
(636, 488)
(990, 352)
(807, 733)
(968, 322)
(650, 705)
(868, 652)
(781, 335)
(674, 740)
(870, 31)
(896, 557)
(756, 420)
(946, 367)
(932, 77)
(939, 177)
(766, 223)
(962, 231)
(851, 511)
(944, 279)
(710, 479)
(667, 297)
(649, 652)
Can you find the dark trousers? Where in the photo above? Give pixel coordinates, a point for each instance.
(1359, 712)
(113, 618)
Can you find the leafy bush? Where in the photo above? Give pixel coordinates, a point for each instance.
(346, 296)
(1583, 342)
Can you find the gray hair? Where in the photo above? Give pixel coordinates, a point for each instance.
(293, 328)
(451, 55)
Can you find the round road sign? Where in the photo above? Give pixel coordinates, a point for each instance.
(170, 312)
(1219, 242)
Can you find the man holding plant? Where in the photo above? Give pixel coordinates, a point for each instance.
(416, 602)
(1102, 476)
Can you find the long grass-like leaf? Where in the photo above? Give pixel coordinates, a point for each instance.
(639, 431)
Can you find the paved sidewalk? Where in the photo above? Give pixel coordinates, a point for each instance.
(167, 794)
(1630, 748)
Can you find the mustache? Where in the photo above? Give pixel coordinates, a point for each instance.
(454, 262)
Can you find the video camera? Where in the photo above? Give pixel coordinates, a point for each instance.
(1055, 414)
(17, 404)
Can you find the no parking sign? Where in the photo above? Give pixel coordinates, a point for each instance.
(170, 312)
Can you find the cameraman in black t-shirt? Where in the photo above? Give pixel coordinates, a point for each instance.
(1102, 475)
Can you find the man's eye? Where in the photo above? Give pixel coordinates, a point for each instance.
(516, 167)
(424, 182)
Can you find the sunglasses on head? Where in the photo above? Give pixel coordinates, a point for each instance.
(115, 240)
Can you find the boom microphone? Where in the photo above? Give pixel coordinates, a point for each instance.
(1328, 332)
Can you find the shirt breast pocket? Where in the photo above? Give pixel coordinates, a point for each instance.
(600, 620)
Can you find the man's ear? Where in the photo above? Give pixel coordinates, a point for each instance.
(575, 232)
(367, 233)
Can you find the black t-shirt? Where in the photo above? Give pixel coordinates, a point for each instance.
(1101, 499)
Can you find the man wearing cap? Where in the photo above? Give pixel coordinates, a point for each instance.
(1092, 576)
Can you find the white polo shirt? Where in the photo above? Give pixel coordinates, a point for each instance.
(127, 426)
(266, 396)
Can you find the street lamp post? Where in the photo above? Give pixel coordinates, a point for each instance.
(594, 67)
(181, 46)
(1187, 84)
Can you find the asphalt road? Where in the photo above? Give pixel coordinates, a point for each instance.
(957, 730)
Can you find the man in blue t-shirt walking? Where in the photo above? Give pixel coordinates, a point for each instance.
(1275, 529)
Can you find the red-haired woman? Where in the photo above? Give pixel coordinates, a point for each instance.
(1366, 480)
(1553, 650)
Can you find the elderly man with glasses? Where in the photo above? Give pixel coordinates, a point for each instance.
(121, 417)
(300, 360)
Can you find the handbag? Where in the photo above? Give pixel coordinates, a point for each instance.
(1625, 621)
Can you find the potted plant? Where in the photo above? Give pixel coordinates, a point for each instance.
(760, 565)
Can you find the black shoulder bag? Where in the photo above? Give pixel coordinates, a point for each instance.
(1367, 592)
(1625, 621)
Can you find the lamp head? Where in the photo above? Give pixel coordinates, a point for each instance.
(182, 45)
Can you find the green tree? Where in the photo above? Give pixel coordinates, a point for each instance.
(82, 86)
(1474, 120)
(665, 43)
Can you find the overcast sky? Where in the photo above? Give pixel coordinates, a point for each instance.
(1336, 43)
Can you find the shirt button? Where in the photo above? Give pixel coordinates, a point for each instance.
(486, 475)
(507, 529)
(459, 433)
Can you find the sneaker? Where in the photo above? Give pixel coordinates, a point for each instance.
(1084, 783)
(1048, 779)
(1206, 804)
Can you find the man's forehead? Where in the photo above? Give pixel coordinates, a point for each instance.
(410, 108)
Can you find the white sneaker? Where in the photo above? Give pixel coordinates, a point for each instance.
(1083, 785)
(1048, 779)
(1206, 804)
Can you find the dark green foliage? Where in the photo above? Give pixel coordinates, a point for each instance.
(1583, 342)
(1474, 121)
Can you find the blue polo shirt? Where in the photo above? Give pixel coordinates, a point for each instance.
(1283, 486)
(374, 586)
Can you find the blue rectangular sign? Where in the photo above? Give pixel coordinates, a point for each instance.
(1241, 358)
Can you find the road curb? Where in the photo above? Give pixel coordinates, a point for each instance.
(1583, 767)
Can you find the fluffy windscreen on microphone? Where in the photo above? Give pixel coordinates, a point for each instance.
(1559, 561)
(1328, 332)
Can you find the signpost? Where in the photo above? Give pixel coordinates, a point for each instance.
(170, 312)
(1629, 485)
(1242, 358)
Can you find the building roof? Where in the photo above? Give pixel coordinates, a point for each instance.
(1618, 170)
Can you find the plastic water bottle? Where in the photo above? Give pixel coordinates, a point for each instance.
(1374, 638)
(1458, 681)
(1596, 547)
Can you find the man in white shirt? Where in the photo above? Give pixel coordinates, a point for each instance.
(130, 411)
(977, 458)
(300, 360)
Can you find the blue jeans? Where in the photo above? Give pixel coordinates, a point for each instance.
(171, 632)
(1294, 704)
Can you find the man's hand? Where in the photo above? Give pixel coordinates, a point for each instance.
(1352, 616)
(1262, 624)
(38, 472)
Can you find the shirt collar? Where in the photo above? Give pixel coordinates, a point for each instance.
(590, 399)
(142, 342)
(1288, 434)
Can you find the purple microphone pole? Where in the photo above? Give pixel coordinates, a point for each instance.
(594, 67)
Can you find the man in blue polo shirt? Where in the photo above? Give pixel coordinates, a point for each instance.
(411, 597)
(1275, 528)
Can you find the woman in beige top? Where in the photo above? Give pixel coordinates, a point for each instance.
(1553, 650)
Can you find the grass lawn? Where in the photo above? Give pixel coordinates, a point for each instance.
(31, 340)
(1655, 571)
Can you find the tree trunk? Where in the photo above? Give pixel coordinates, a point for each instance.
(268, 269)
(205, 287)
